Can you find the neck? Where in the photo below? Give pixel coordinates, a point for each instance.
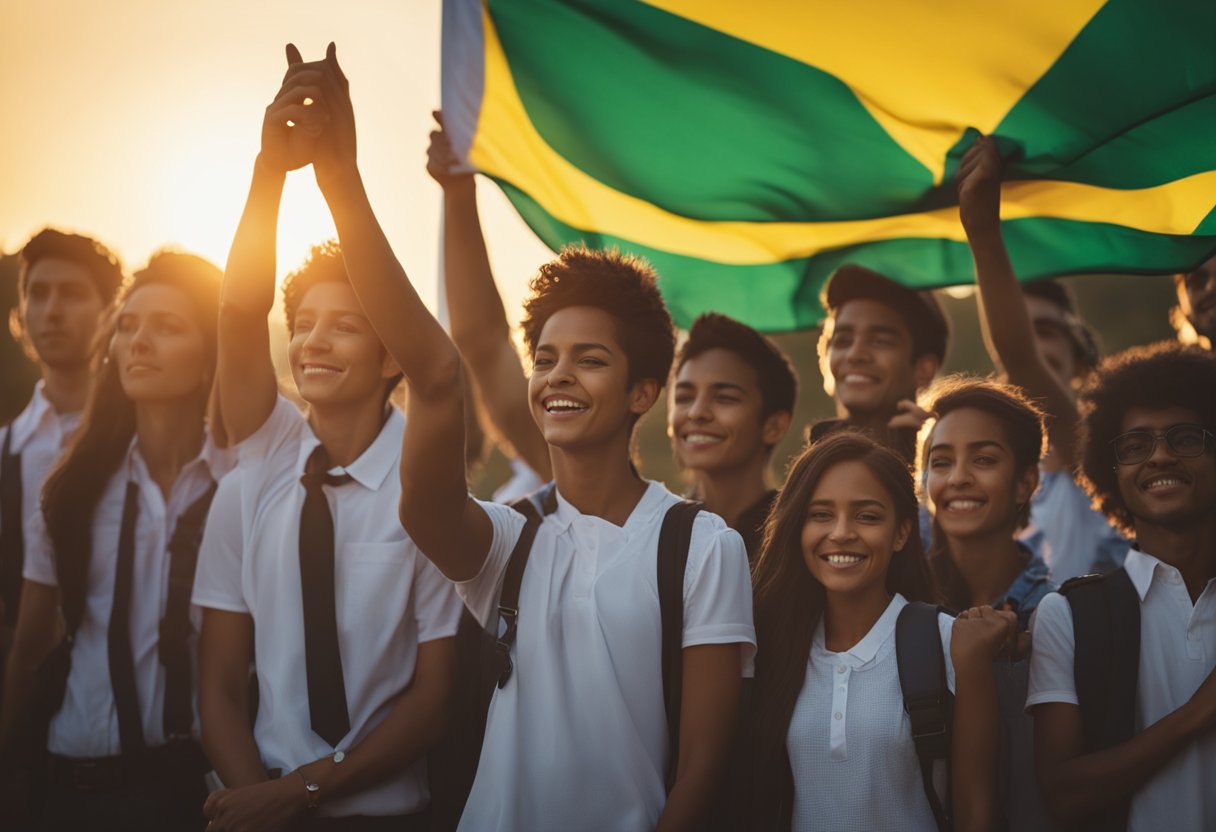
(728, 492)
(989, 563)
(65, 387)
(847, 617)
(869, 421)
(347, 431)
(598, 481)
(1191, 550)
(170, 435)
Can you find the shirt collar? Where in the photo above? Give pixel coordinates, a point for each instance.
(376, 462)
(864, 651)
(215, 460)
(1141, 567)
(650, 502)
(36, 416)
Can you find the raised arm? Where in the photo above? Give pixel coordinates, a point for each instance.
(436, 509)
(246, 386)
(1006, 324)
(478, 320)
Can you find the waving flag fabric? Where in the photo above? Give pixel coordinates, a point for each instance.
(749, 149)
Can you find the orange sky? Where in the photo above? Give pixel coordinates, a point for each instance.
(138, 121)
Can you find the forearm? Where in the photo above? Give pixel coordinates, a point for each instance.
(479, 321)
(1083, 785)
(976, 742)
(228, 737)
(18, 695)
(246, 386)
(688, 804)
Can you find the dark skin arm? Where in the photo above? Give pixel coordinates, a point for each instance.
(478, 321)
(38, 630)
(225, 656)
(436, 510)
(980, 634)
(413, 725)
(708, 714)
(1076, 785)
(1008, 330)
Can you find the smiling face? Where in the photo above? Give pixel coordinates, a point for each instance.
(336, 357)
(971, 475)
(579, 388)
(851, 531)
(714, 414)
(59, 311)
(158, 346)
(1051, 334)
(1167, 490)
(1199, 296)
(870, 359)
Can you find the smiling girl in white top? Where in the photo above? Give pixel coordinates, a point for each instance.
(831, 741)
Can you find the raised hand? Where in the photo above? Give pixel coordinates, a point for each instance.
(442, 163)
(908, 414)
(296, 118)
(979, 187)
(981, 635)
(335, 156)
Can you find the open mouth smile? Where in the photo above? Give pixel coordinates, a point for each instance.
(842, 560)
(562, 404)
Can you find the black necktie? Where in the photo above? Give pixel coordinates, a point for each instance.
(122, 665)
(322, 659)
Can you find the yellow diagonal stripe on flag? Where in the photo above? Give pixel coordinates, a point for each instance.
(966, 61)
(507, 145)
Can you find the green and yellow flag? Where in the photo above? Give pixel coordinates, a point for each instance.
(749, 149)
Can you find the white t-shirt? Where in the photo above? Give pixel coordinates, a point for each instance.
(389, 597)
(87, 724)
(578, 737)
(39, 435)
(1177, 652)
(850, 740)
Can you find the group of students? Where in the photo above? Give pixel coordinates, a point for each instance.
(241, 617)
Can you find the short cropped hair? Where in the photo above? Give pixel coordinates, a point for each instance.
(623, 285)
(777, 376)
(1166, 374)
(324, 265)
(1085, 344)
(102, 264)
(921, 311)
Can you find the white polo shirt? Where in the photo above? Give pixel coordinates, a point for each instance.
(40, 434)
(1177, 652)
(578, 737)
(850, 739)
(87, 724)
(389, 597)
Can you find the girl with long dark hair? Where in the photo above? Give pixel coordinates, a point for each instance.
(121, 516)
(831, 744)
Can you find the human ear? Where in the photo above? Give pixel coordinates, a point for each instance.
(1025, 485)
(902, 535)
(643, 394)
(389, 366)
(924, 369)
(775, 427)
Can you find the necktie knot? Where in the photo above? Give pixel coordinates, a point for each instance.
(316, 471)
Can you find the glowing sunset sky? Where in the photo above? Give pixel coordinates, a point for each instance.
(138, 121)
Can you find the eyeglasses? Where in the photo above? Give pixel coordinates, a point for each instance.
(1135, 446)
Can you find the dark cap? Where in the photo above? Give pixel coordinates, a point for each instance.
(922, 311)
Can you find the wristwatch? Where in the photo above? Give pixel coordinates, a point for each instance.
(312, 791)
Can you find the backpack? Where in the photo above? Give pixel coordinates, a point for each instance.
(1106, 669)
(484, 662)
(927, 699)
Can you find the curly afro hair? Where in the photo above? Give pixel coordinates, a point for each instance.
(1166, 374)
(624, 286)
(324, 265)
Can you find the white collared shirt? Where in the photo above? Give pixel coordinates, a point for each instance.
(578, 737)
(1177, 652)
(39, 435)
(87, 724)
(850, 739)
(389, 597)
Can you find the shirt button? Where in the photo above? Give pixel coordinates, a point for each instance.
(840, 668)
(839, 715)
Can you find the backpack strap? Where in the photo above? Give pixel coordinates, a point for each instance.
(174, 645)
(674, 539)
(1106, 667)
(12, 535)
(927, 698)
(533, 507)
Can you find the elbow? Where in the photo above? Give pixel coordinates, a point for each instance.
(234, 319)
(444, 377)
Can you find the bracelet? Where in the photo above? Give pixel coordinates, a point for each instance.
(313, 796)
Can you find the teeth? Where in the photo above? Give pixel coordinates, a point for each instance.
(856, 377)
(963, 505)
(701, 438)
(316, 370)
(845, 559)
(563, 404)
(1163, 482)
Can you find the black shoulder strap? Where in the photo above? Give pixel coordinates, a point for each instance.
(1106, 666)
(533, 507)
(674, 539)
(12, 535)
(174, 643)
(927, 698)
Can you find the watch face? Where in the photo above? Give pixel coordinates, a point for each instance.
(312, 787)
